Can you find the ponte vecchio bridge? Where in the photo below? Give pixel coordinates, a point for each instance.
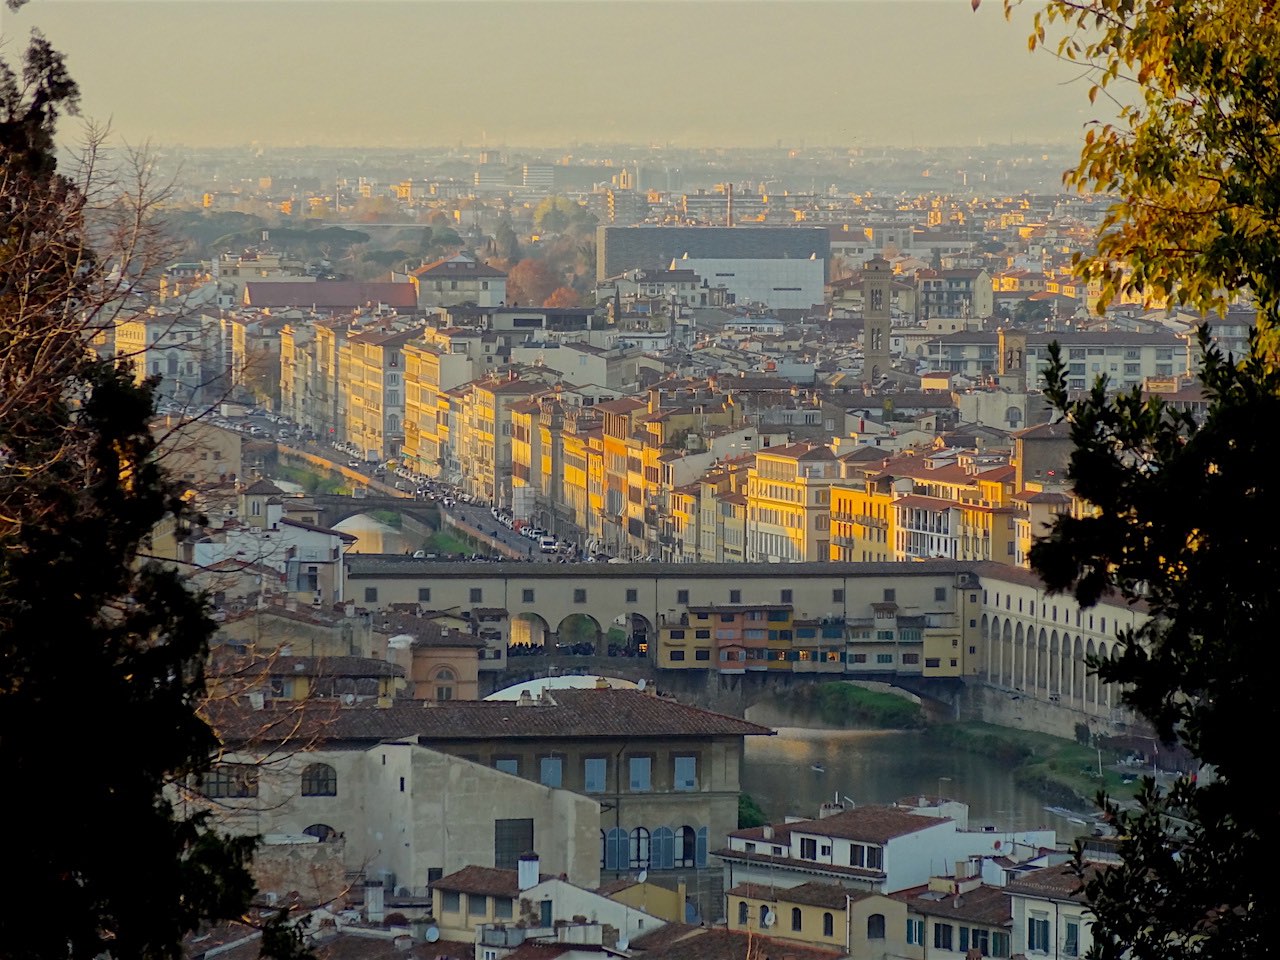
(988, 626)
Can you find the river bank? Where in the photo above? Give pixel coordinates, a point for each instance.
(840, 706)
(1061, 771)
(1057, 771)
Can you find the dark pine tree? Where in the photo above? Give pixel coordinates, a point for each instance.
(101, 652)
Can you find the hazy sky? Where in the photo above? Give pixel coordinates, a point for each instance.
(421, 72)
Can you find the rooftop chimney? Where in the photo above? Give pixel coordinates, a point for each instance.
(527, 871)
(373, 901)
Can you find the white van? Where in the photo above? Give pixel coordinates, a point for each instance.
(547, 544)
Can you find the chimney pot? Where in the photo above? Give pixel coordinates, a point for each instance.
(527, 871)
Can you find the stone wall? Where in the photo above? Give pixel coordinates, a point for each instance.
(315, 871)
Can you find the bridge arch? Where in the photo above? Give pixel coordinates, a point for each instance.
(529, 631)
(579, 629)
(637, 631)
(535, 685)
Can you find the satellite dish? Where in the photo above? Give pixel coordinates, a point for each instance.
(642, 684)
(642, 876)
(770, 918)
(433, 934)
(624, 944)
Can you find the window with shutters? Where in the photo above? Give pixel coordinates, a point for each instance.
(686, 774)
(663, 846)
(641, 774)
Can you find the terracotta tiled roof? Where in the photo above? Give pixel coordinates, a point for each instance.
(487, 881)
(794, 863)
(425, 632)
(452, 269)
(346, 946)
(330, 294)
(621, 405)
(573, 714)
(384, 338)
(262, 487)
(532, 950)
(870, 824)
(655, 942)
(800, 451)
(1041, 496)
(986, 905)
(305, 667)
(314, 528)
(716, 943)
(1054, 883)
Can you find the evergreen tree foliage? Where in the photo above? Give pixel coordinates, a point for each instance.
(1184, 524)
(101, 652)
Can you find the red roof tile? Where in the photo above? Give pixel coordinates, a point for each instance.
(330, 294)
(985, 905)
(567, 714)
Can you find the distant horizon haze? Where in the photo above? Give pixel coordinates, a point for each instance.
(414, 73)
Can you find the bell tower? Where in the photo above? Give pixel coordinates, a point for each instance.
(877, 280)
(1013, 359)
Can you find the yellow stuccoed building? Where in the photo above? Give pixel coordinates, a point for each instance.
(823, 915)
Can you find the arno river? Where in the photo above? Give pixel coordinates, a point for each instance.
(878, 766)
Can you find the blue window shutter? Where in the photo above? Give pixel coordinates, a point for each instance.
(615, 852)
(701, 858)
(663, 848)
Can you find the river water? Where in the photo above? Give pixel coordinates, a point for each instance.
(877, 766)
(373, 536)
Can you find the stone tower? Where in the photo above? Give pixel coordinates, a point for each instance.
(1013, 359)
(877, 280)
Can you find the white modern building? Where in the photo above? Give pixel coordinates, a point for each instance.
(1126, 359)
(779, 284)
(877, 848)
